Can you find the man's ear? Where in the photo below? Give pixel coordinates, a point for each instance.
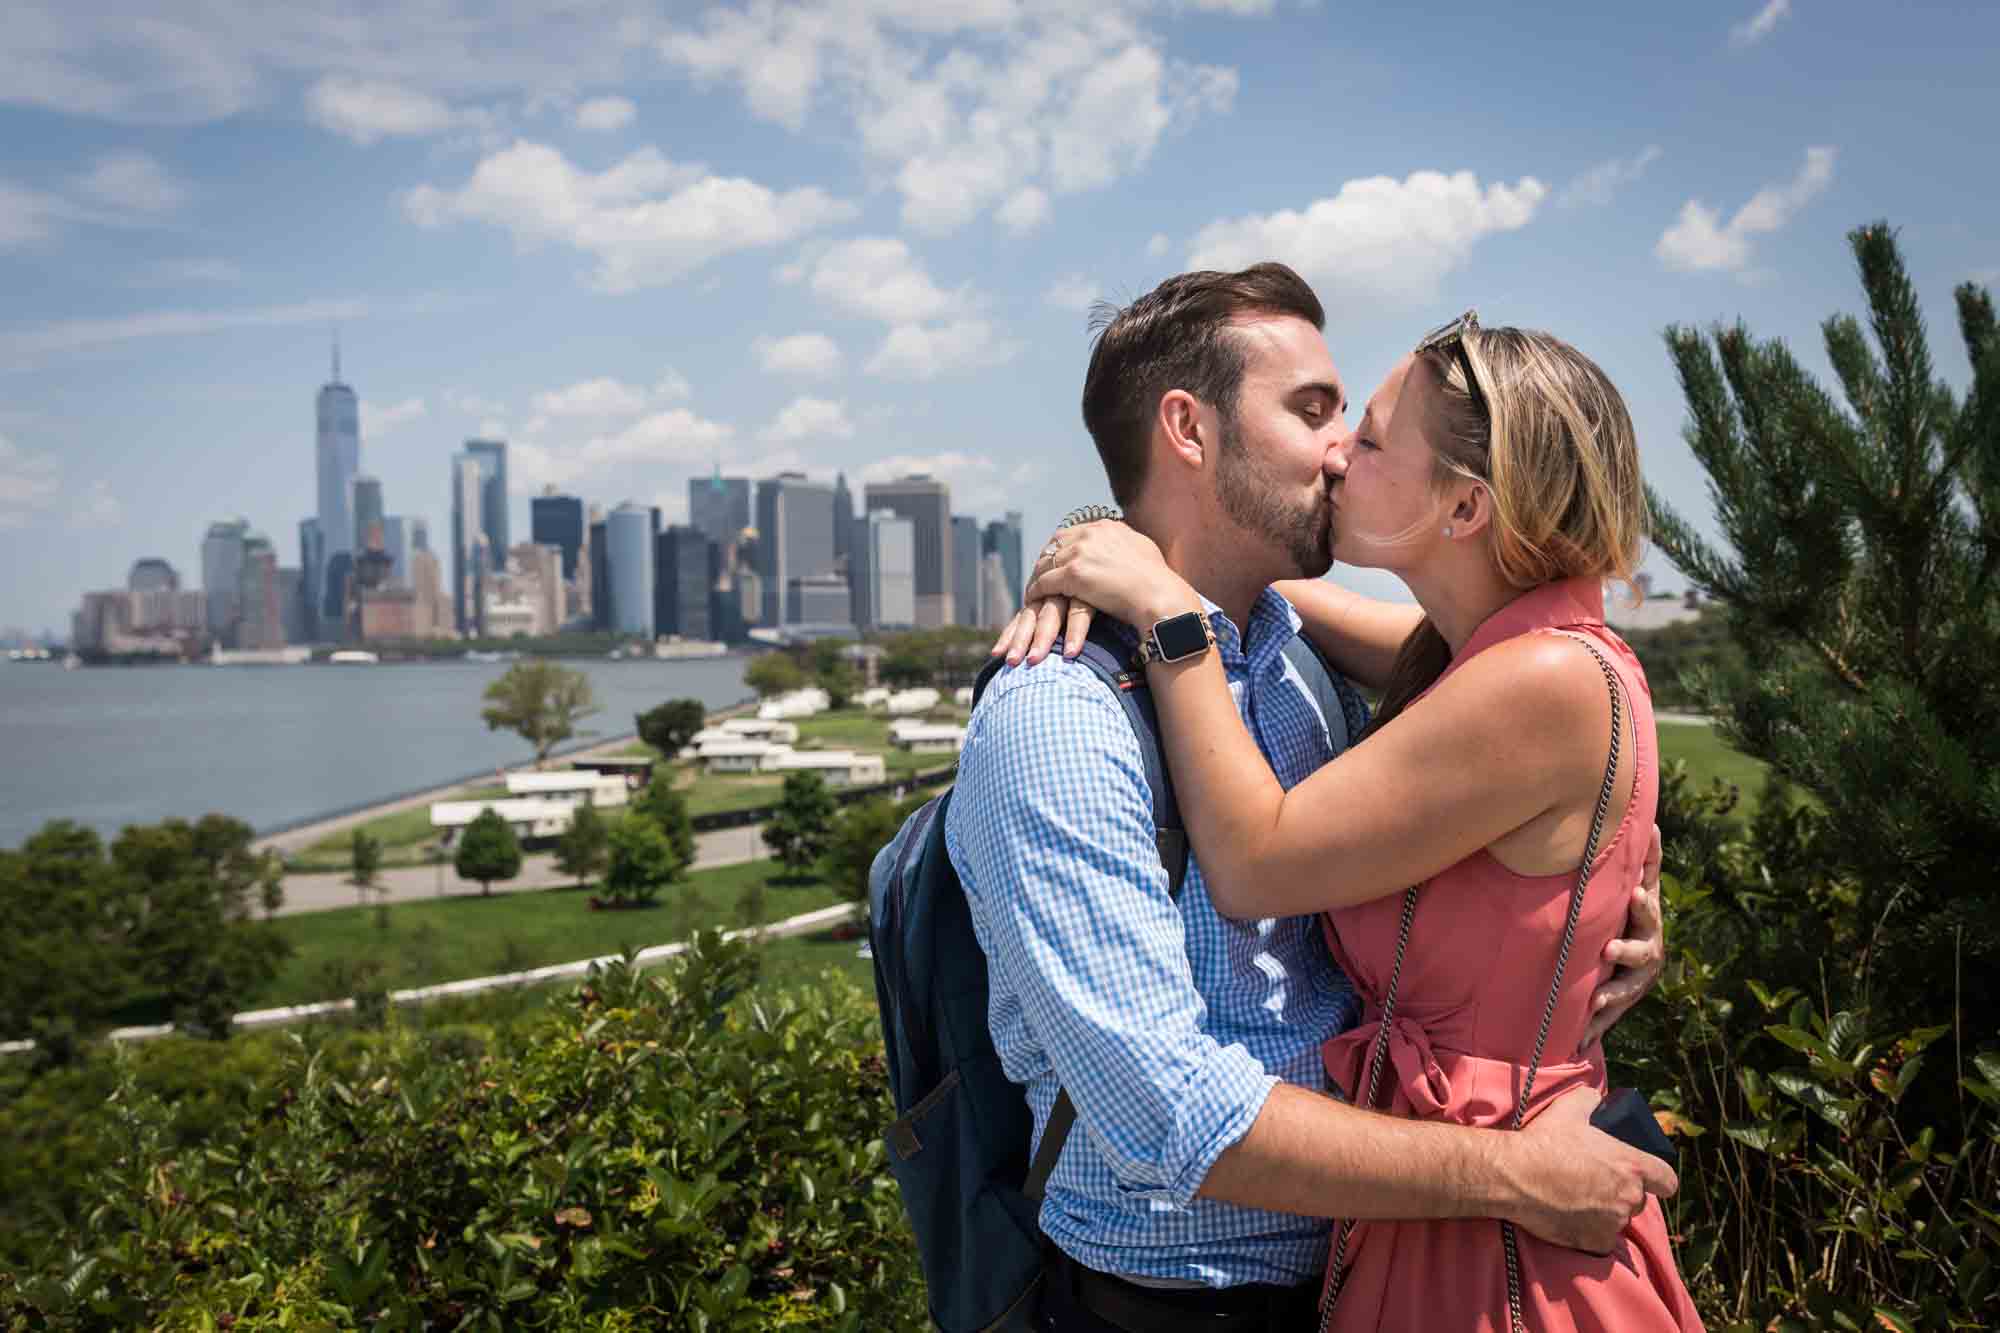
(1185, 424)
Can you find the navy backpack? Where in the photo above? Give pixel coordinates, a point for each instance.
(959, 1149)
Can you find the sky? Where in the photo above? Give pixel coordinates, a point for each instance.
(636, 241)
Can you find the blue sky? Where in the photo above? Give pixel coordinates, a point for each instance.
(635, 239)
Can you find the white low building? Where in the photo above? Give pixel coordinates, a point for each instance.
(920, 700)
(840, 768)
(529, 816)
(738, 755)
(577, 787)
(762, 729)
(962, 696)
(928, 738)
(875, 696)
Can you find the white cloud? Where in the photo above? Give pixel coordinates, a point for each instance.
(76, 335)
(966, 107)
(367, 110)
(646, 221)
(99, 507)
(27, 216)
(382, 420)
(977, 483)
(672, 386)
(675, 437)
(813, 355)
(1158, 246)
(1072, 291)
(605, 114)
(1377, 239)
(810, 419)
(1758, 26)
(472, 404)
(133, 182)
(29, 483)
(1603, 181)
(877, 276)
(601, 397)
(926, 351)
(179, 272)
(1700, 241)
(1026, 209)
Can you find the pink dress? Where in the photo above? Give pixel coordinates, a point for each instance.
(1475, 979)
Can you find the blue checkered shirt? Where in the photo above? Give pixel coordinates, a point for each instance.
(1168, 1023)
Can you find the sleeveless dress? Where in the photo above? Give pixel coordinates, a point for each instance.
(1476, 976)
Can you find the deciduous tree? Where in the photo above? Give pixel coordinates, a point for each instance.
(581, 853)
(670, 726)
(798, 829)
(539, 701)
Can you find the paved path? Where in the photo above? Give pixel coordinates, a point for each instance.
(1673, 718)
(295, 840)
(402, 884)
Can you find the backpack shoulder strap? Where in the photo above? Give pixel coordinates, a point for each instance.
(1345, 711)
(1107, 658)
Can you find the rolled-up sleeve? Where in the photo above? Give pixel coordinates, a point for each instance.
(1053, 839)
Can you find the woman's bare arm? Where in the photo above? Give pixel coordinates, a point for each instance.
(1359, 635)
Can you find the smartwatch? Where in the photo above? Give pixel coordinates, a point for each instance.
(1177, 638)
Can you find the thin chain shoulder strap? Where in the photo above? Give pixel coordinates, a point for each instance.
(1508, 1239)
(1337, 1265)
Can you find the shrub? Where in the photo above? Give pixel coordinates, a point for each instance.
(671, 725)
(488, 850)
(581, 853)
(642, 863)
(649, 1153)
(800, 822)
(666, 809)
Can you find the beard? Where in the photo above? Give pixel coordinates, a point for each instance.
(1261, 505)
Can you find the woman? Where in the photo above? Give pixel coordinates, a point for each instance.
(1497, 473)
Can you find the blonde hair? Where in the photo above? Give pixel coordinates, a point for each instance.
(1556, 451)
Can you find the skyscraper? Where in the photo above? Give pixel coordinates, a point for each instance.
(312, 577)
(688, 564)
(600, 575)
(884, 566)
(367, 513)
(628, 535)
(557, 520)
(222, 577)
(492, 456)
(262, 626)
(398, 540)
(843, 517)
(1003, 537)
(965, 568)
(794, 539)
(719, 506)
(468, 533)
(338, 458)
(926, 502)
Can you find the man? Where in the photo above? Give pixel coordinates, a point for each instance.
(1208, 1158)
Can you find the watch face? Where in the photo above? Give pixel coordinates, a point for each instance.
(1182, 636)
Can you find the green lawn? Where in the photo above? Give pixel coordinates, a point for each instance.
(1708, 757)
(470, 936)
(405, 836)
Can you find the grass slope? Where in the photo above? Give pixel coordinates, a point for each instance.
(335, 953)
(1708, 756)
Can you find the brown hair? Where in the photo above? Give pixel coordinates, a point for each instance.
(1177, 336)
(1557, 454)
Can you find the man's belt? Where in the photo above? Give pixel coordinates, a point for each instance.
(1141, 1309)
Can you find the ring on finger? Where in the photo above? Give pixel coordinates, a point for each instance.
(1051, 550)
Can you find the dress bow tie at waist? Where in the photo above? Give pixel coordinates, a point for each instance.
(1431, 1082)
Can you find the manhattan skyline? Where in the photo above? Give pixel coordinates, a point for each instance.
(646, 243)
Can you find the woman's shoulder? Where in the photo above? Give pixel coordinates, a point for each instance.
(1542, 684)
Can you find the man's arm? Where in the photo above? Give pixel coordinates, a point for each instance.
(1558, 1178)
(1051, 829)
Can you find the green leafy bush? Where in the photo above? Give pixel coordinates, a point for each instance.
(670, 1150)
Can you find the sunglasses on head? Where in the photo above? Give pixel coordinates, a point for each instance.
(1452, 337)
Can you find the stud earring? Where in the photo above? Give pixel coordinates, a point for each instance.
(1447, 529)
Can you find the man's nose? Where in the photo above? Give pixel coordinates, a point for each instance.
(1334, 465)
